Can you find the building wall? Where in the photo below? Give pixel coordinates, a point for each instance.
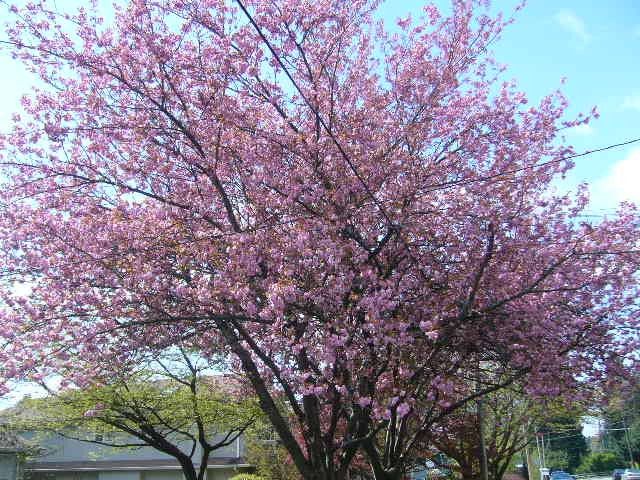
(57, 448)
(66, 476)
(165, 475)
(8, 466)
(220, 474)
(60, 451)
(212, 474)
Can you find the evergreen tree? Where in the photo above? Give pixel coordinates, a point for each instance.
(565, 444)
(622, 424)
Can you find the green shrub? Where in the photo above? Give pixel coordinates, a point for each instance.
(601, 462)
(246, 476)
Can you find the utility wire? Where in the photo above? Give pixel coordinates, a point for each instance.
(454, 183)
(391, 225)
(551, 439)
(353, 167)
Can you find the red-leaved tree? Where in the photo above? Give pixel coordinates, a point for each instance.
(361, 217)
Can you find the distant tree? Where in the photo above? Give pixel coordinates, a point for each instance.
(511, 419)
(557, 460)
(265, 452)
(564, 441)
(600, 462)
(622, 423)
(171, 402)
(507, 420)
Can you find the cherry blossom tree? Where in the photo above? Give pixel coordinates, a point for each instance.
(362, 217)
(510, 421)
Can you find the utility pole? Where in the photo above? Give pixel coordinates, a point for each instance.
(531, 469)
(538, 447)
(544, 471)
(626, 437)
(529, 460)
(540, 464)
(484, 468)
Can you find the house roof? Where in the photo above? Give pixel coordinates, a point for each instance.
(115, 465)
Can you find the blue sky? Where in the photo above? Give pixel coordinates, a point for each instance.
(596, 46)
(593, 43)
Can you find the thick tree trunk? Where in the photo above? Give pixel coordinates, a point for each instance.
(484, 468)
(204, 463)
(387, 475)
(469, 471)
(188, 470)
(323, 474)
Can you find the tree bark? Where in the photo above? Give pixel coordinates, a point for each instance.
(188, 470)
(484, 470)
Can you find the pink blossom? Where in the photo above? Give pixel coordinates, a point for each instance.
(387, 221)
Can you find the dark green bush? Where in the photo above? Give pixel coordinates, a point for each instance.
(601, 462)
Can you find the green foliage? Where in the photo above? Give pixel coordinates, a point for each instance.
(166, 401)
(246, 476)
(270, 459)
(623, 412)
(601, 462)
(272, 462)
(170, 400)
(563, 437)
(126, 404)
(557, 460)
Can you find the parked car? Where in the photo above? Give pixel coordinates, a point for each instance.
(617, 474)
(561, 475)
(631, 474)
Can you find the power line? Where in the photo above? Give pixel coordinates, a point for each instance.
(455, 183)
(551, 439)
(354, 168)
